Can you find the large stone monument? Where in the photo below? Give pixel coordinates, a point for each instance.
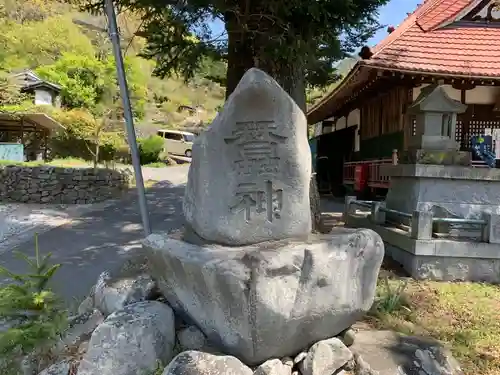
(249, 177)
(247, 270)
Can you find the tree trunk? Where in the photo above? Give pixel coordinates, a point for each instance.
(96, 155)
(239, 53)
(243, 55)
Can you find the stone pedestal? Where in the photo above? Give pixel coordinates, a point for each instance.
(446, 190)
(271, 299)
(437, 157)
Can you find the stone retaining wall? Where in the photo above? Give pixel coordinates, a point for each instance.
(46, 184)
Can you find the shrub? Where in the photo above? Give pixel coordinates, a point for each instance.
(32, 313)
(150, 149)
(77, 140)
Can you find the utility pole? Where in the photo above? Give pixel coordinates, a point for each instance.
(127, 109)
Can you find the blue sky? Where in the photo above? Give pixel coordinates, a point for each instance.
(391, 14)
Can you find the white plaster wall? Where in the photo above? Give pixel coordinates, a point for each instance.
(317, 129)
(452, 93)
(482, 95)
(341, 123)
(353, 120)
(43, 97)
(478, 95)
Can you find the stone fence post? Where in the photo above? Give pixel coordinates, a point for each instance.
(395, 157)
(491, 231)
(377, 215)
(348, 207)
(421, 225)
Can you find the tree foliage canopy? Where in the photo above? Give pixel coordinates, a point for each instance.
(274, 33)
(90, 83)
(36, 43)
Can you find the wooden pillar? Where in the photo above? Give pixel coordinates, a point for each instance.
(45, 143)
(465, 122)
(22, 131)
(407, 119)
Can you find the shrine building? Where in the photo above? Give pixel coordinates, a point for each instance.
(364, 120)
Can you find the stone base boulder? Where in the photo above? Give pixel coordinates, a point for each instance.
(131, 341)
(387, 352)
(272, 299)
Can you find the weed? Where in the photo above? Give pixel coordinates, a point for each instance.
(391, 299)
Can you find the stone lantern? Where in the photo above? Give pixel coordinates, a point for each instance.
(436, 126)
(436, 115)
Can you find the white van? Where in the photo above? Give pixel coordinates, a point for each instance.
(177, 142)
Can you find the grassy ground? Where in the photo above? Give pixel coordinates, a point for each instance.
(466, 316)
(75, 163)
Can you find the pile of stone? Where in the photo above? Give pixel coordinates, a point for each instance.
(47, 184)
(125, 327)
(245, 288)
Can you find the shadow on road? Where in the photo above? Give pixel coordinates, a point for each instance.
(101, 240)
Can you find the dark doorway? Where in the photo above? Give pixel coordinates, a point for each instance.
(333, 149)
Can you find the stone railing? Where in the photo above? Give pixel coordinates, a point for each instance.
(422, 223)
(47, 184)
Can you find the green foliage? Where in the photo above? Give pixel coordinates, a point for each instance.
(35, 43)
(310, 35)
(391, 299)
(22, 11)
(29, 308)
(82, 135)
(10, 95)
(84, 79)
(150, 149)
(41, 34)
(90, 83)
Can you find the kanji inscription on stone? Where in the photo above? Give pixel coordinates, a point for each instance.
(250, 173)
(257, 143)
(257, 163)
(249, 196)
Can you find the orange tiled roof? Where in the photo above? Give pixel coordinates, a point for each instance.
(433, 39)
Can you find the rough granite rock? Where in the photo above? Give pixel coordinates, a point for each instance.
(81, 327)
(131, 341)
(272, 299)
(112, 294)
(386, 352)
(87, 305)
(273, 367)
(191, 338)
(199, 363)
(347, 337)
(60, 368)
(325, 357)
(287, 361)
(250, 173)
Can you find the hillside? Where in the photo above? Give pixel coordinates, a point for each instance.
(343, 68)
(71, 48)
(54, 40)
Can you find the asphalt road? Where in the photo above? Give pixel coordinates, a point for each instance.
(101, 240)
